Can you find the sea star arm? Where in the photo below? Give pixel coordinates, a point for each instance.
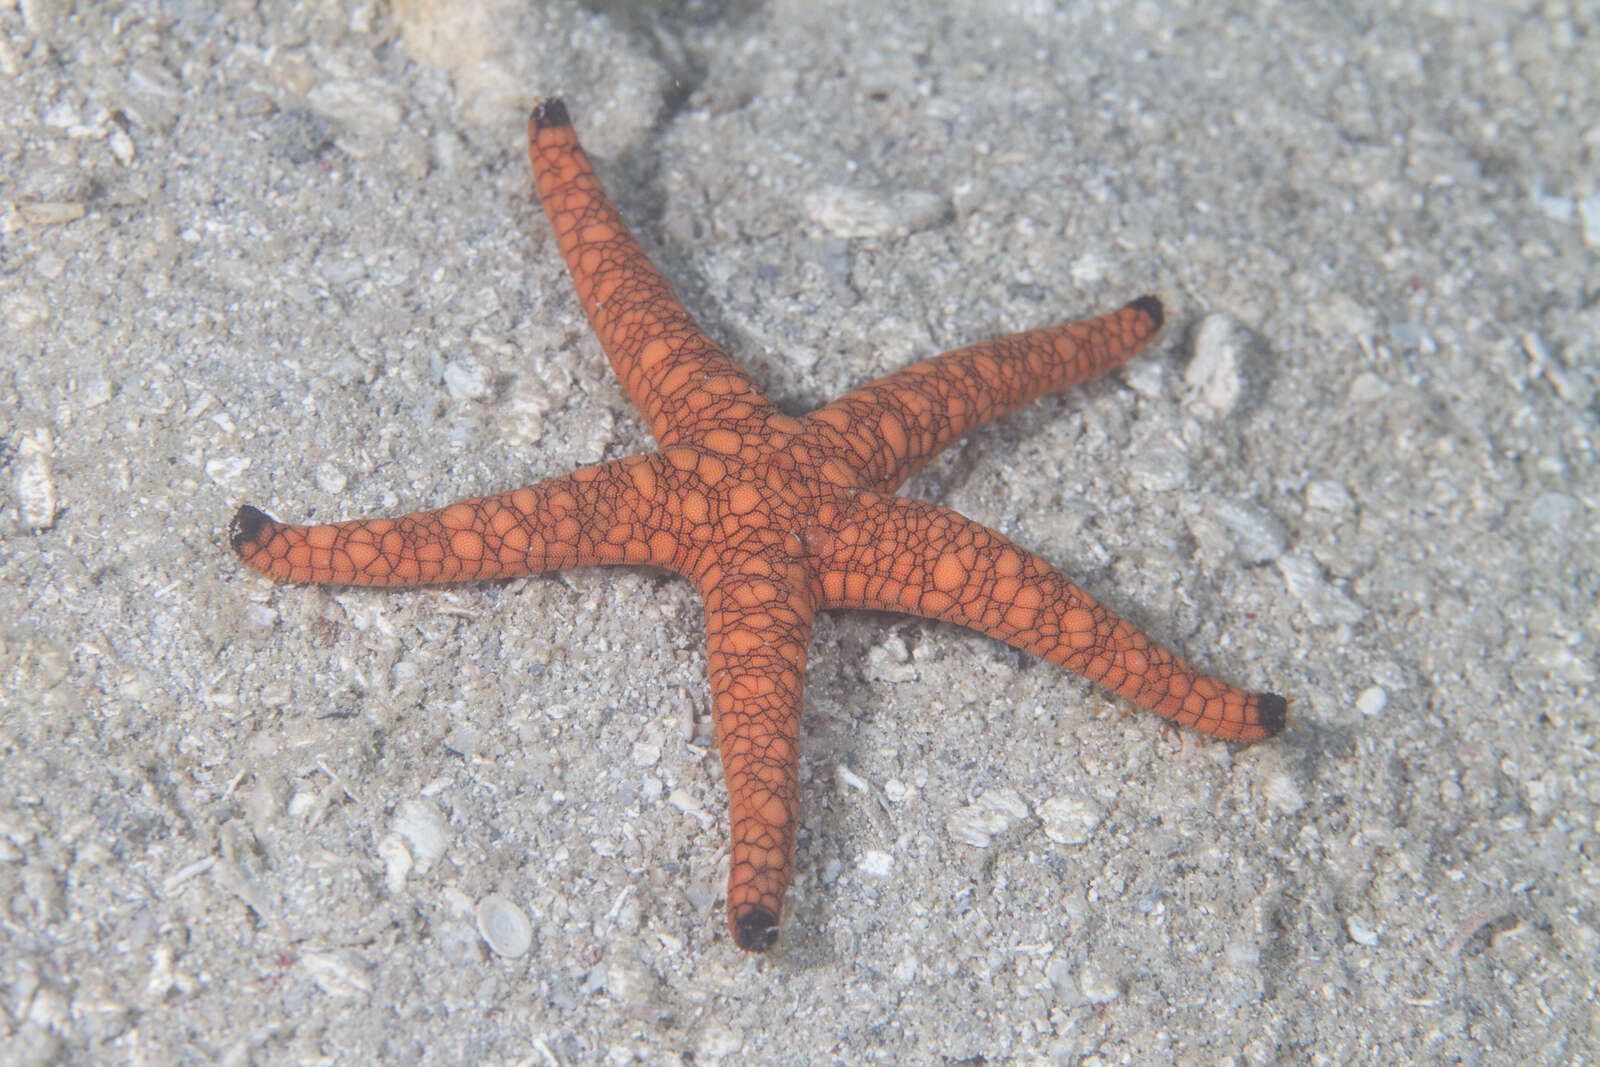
(904, 555)
(892, 427)
(677, 377)
(756, 636)
(601, 514)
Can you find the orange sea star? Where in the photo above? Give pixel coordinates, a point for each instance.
(773, 518)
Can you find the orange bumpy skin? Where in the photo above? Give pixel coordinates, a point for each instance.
(773, 519)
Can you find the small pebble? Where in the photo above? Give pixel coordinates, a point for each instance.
(121, 146)
(994, 813)
(94, 392)
(1159, 468)
(1367, 390)
(62, 115)
(162, 976)
(24, 310)
(1556, 512)
(890, 661)
(1589, 209)
(1414, 337)
(905, 972)
(1070, 820)
(35, 485)
(421, 824)
(1323, 604)
(888, 213)
(457, 942)
(1213, 374)
(1097, 984)
(689, 804)
(463, 739)
(1241, 954)
(1259, 536)
(1058, 972)
(1329, 496)
(396, 862)
(625, 914)
(467, 379)
(1340, 314)
(1089, 269)
(1148, 378)
(850, 778)
(875, 864)
(1361, 932)
(504, 927)
(1372, 700)
(718, 1042)
(336, 976)
(227, 470)
(635, 988)
(330, 479)
(40, 887)
(50, 212)
(1283, 793)
(363, 106)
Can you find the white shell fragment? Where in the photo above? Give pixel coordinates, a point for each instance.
(1097, 983)
(504, 927)
(1070, 820)
(1213, 375)
(421, 824)
(467, 379)
(339, 975)
(875, 863)
(36, 489)
(331, 479)
(121, 146)
(1258, 536)
(850, 213)
(1322, 602)
(992, 814)
(1283, 793)
(50, 212)
(396, 862)
(1362, 932)
(1372, 700)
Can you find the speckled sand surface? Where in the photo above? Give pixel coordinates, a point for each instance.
(291, 256)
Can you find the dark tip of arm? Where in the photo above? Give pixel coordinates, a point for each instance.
(1150, 307)
(246, 527)
(755, 930)
(1274, 710)
(553, 112)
